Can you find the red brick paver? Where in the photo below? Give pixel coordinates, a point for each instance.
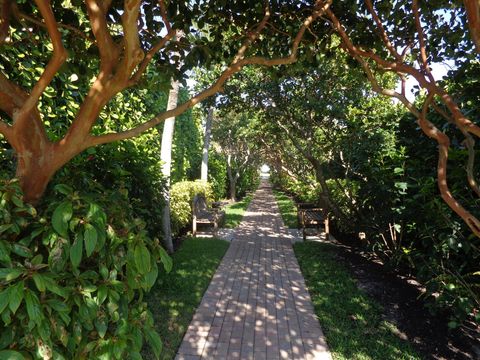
(257, 305)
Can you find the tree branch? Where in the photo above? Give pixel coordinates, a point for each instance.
(5, 7)
(237, 64)
(383, 33)
(58, 58)
(149, 56)
(6, 131)
(472, 8)
(163, 13)
(132, 53)
(19, 15)
(401, 68)
(421, 39)
(443, 144)
(109, 51)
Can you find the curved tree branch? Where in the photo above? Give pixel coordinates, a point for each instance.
(237, 64)
(149, 56)
(473, 15)
(109, 52)
(443, 145)
(383, 33)
(421, 39)
(58, 58)
(401, 68)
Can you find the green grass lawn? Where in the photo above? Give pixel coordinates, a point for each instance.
(175, 297)
(351, 320)
(234, 212)
(287, 209)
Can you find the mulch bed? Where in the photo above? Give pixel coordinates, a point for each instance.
(399, 296)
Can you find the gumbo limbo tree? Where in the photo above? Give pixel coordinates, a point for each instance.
(127, 37)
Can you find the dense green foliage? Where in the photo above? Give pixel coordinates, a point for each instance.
(353, 324)
(73, 276)
(335, 143)
(176, 295)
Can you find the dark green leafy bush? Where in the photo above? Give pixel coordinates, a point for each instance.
(217, 174)
(73, 286)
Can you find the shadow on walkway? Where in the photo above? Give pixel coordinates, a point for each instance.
(257, 305)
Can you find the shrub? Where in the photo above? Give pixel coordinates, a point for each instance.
(72, 277)
(217, 174)
(248, 181)
(182, 194)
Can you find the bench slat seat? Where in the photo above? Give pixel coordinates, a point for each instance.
(204, 215)
(310, 216)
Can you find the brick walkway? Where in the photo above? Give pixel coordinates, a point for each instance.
(257, 305)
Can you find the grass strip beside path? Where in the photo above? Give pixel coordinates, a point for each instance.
(287, 209)
(234, 212)
(175, 296)
(351, 320)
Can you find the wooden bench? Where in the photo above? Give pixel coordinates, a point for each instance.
(311, 216)
(204, 215)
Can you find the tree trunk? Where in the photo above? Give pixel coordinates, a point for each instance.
(232, 180)
(166, 158)
(206, 145)
(233, 188)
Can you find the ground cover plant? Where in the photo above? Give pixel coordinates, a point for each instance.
(176, 295)
(287, 209)
(352, 322)
(234, 212)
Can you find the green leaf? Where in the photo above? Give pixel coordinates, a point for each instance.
(4, 299)
(153, 339)
(101, 326)
(63, 189)
(17, 201)
(7, 337)
(21, 250)
(37, 259)
(76, 251)
(39, 282)
(9, 274)
(61, 215)
(52, 286)
(5, 227)
(4, 252)
(96, 215)
(33, 307)
(166, 260)
(142, 258)
(16, 296)
(135, 356)
(11, 355)
(102, 294)
(90, 237)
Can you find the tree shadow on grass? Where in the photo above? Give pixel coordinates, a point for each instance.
(352, 321)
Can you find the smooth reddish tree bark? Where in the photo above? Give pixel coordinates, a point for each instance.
(121, 66)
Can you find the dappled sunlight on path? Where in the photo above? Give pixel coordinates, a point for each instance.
(257, 305)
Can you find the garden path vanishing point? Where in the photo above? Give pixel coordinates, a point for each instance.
(257, 305)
